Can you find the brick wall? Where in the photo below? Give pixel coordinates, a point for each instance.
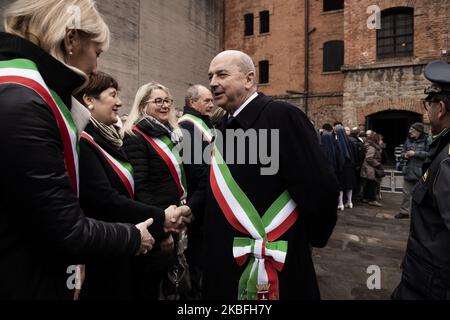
(431, 30)
(373, 85)
(284, 48)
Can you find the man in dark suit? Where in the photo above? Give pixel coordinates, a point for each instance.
(261, 221)
(197, 135)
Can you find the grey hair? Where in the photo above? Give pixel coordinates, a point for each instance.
(192, 93)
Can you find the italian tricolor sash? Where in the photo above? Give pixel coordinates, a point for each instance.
(123, 169)
(267, 256)
(166, 149)
(200, 125)
(25, 72)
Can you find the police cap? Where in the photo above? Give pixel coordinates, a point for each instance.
(438, 72)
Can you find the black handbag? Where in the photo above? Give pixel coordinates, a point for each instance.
(380, 173)
(177, 280)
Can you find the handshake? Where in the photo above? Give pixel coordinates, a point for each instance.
(175, 220)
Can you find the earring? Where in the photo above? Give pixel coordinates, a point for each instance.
(70, 53)
(90, 107)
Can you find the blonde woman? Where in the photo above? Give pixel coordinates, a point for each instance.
(151, 133)
(49, 49)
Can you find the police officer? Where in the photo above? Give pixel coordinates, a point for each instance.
(426, 266)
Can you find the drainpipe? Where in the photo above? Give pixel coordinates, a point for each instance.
(306, 63)
(223, 25)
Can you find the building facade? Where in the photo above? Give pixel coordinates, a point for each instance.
(294, 73)
(170, 42)
(359, 62)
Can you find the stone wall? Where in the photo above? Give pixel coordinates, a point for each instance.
(171, 42)
(375, 90)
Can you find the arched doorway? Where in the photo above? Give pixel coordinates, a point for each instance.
(394, 126)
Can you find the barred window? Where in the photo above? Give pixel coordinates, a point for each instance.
(333, 55)
(264, 71)
(248, 24)
(396, 36)
(330, 5)
(264, 19)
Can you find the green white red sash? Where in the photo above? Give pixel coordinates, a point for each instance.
(200, 125)
(266, 255)
(25, 72)
(123, 169)
(166, 149)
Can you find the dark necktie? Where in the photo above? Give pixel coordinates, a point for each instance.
(229, 120)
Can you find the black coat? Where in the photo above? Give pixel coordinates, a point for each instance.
(103, 196)
(196, 183)
(154, 184)
(426, 266)
(42, 227)
(304, 172)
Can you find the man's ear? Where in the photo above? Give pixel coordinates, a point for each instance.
(442, 110)
(250, 77)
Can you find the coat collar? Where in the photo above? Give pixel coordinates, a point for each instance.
(440, 142)
(206, 119)
(247, 117)
(57, 75)
(118, 154)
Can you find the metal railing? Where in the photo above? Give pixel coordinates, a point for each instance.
(392, 182)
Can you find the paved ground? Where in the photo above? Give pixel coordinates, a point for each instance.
(364, 236)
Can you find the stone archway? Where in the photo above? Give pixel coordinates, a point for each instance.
(393, 104)
(393, 125)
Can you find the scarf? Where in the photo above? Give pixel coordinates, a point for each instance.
(110, 133)
(174, 134)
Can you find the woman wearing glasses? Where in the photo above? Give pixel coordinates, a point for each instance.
(151, 135)
(107, 188)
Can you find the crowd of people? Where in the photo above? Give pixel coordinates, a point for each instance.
(120, 198)
(357, 162)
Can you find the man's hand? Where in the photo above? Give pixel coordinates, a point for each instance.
(176, 218)
(410, 154)
(147, 240)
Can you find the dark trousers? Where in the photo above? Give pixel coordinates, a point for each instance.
(370, 190)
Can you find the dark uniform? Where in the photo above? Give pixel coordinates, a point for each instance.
(426, 266)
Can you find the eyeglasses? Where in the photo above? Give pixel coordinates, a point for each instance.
(160, 102)
(427, 104)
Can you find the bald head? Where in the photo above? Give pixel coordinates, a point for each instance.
(232, 79)
(239, 58)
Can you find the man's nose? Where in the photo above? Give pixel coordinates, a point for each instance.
(213, 82)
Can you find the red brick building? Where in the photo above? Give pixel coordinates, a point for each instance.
(352, 71)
